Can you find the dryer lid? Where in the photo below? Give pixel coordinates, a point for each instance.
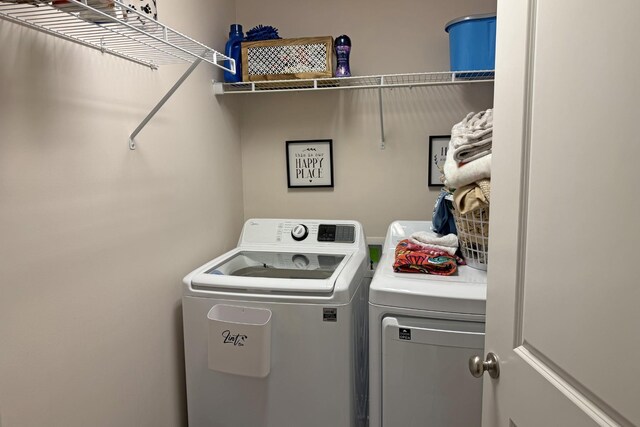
(465, 292)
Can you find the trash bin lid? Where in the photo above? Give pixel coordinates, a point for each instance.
(468, 18)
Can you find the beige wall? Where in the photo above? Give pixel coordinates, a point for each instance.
(96, 238)
(372, 185)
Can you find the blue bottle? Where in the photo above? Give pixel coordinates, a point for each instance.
(233, 50)
(342, 46)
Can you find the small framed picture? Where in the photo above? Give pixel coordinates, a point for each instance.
(438, 146)
(310, 163)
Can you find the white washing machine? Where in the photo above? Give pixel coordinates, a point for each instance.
(422, 331)
(275, 331)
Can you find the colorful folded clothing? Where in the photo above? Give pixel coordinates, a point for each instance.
(434, 250)
(413, 258)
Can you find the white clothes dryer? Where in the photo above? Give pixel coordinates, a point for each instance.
(422, 331)
(275, 331)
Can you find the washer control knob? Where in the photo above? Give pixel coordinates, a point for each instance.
(299, 232)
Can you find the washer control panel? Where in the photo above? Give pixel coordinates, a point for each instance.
(300, 232)
(336, 233)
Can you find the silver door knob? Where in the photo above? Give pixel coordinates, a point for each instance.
(477, 366)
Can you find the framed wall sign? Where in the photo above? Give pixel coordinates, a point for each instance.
(310, 163)
(438, 146)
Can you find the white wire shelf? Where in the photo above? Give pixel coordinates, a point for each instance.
(111, 27)
(363, 82)
(380, 82)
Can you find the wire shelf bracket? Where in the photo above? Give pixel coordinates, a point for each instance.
(116, 29)
(382, 143)
(165, 98)
(389, 81)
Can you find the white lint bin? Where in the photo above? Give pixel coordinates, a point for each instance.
(240, 340)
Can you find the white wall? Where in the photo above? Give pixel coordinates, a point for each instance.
(371, 185)
(95, 238)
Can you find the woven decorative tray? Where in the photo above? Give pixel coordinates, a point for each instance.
(286, 59)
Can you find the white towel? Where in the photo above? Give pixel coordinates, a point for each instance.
(475, 150)
(458, 176)
(471, 137)
(475, 156)
(460, 128)
(448, 243)
(474, 127)
(481, 120)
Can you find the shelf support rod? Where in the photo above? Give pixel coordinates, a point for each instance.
(132, 142)
(382, 145)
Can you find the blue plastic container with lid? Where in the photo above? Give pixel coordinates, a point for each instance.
(472, 42)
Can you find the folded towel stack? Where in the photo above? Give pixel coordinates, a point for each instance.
(469, 154)
(458, 175)
(471, 139)
(429, 253)
(467, 169)
(448, 243)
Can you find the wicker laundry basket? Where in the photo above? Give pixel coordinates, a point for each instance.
(473, 236)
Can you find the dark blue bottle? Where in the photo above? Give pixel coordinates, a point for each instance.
(233, 50)
(342, 46)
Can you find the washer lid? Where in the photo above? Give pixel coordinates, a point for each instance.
(466, 292)
(273, 271)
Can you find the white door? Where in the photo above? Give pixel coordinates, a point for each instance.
(563, 308)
